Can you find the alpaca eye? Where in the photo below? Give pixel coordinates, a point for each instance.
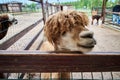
(66, 16)
(64, 33)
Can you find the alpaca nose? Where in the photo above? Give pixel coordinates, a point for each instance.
(14, 21)
(86, 34)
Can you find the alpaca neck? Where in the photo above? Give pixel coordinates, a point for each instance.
(3, 29)
(56, 48)
(63, 75)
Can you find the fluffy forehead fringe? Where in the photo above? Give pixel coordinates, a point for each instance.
(63, 21)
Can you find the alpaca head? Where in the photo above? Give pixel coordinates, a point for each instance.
(6, 20)
(66, 30)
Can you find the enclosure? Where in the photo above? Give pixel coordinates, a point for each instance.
(21, 54)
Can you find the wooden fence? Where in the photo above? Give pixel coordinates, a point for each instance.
(37, 61)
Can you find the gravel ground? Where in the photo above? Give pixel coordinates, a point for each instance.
(108, 40)
(25, 40)
(24, 21)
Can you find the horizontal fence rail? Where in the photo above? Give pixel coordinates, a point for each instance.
(36, 61)
(113, 12)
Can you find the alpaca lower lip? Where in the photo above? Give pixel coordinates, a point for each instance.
(88, 46)
(85, 46)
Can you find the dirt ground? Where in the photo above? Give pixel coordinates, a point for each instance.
(108, 40)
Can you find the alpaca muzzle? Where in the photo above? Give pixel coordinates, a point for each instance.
(14, 21)
(88, 40)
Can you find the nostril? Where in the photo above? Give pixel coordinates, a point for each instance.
(86, 34)
(89, 36)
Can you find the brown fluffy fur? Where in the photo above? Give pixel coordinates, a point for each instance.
(62, 22)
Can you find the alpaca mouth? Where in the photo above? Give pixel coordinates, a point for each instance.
(85, 46)
(64, 49)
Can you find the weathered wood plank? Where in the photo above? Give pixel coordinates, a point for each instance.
(36, 61)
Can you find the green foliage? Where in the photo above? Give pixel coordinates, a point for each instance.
(89, 4)
(110, 3)
(30, 7)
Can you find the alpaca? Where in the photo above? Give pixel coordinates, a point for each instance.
(66, 31)
(6, 20)
(98, 19)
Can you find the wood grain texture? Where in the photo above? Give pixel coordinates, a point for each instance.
(36, 61)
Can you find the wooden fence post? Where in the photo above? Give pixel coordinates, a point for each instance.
(47, 9)
(43, 11)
